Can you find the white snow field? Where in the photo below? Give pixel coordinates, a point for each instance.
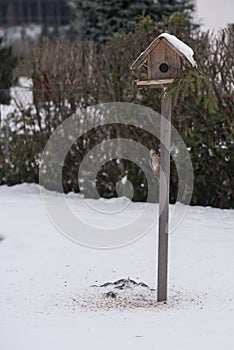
(48, 301)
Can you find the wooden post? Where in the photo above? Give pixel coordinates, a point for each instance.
(165, 58)
(165, 142)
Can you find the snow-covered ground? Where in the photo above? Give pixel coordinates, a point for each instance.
(51, 297)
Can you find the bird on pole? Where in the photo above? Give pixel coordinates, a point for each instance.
(155, 162)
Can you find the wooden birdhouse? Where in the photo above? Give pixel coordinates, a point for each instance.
(165, 59)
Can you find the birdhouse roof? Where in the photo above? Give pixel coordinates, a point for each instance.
(177, 45)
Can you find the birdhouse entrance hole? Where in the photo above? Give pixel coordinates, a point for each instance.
(163, 67)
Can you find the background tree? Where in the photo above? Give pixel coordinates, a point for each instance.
(99, 20)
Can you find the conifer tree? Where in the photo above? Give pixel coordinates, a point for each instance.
(99, 20)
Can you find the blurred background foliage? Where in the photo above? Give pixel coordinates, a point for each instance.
(69, 75)
(8, 62)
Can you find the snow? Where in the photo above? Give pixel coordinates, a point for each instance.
(183, 48)
(52, 293)
(21, 97)
(14, 33)
(28, 32)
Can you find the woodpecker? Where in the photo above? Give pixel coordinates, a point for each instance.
(155, 162)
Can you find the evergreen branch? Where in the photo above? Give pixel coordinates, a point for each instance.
(195, 82)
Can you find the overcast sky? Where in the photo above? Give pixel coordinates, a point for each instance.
(215, 14)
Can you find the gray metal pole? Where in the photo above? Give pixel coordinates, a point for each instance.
(165, 137)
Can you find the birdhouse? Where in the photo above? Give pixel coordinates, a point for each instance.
(165, 59)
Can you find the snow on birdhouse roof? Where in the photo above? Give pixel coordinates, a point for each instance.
(176, 44)
(180, 46)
